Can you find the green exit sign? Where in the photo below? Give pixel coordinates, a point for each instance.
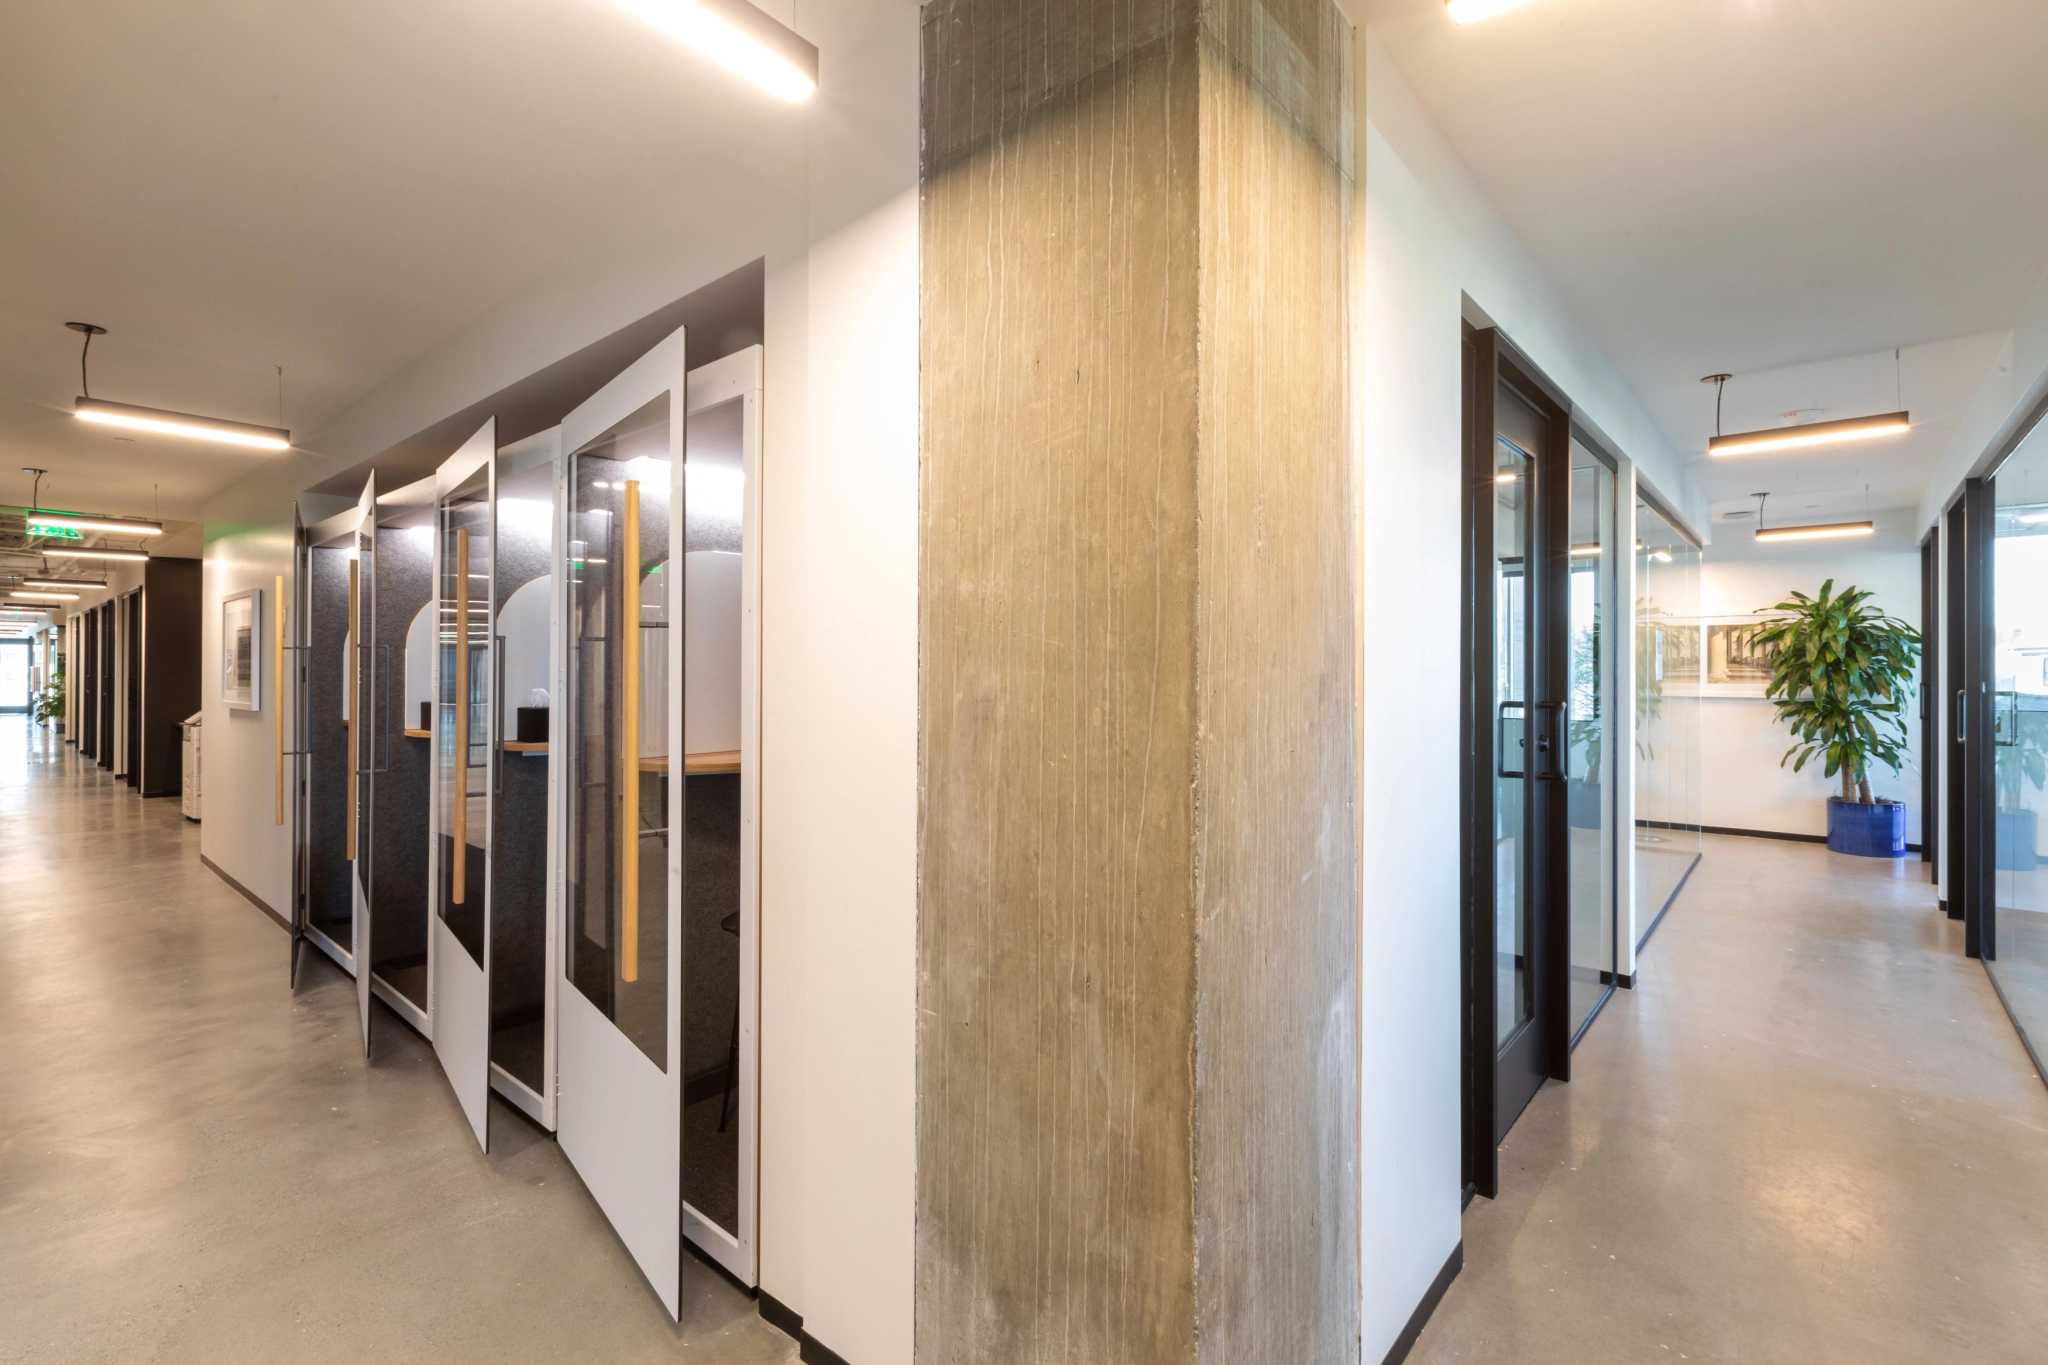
(49, 532)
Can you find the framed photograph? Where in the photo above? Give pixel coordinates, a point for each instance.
(241, 653)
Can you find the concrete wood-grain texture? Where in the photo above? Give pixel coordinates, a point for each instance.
(1138, 1014)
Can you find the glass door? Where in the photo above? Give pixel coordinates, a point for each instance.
(14, 671)
(620, 1043)
(1528, 744)
(463, 724)
(360, 716)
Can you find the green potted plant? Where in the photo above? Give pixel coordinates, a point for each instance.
(49, 704)
(1841, 673)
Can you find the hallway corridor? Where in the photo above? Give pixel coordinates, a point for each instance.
(196, 1165)
(1809, 1135)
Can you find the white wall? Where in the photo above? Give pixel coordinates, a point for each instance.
(1430, 239)
(1741, 740)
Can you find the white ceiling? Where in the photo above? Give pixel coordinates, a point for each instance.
(1784, 190)
(333, 189)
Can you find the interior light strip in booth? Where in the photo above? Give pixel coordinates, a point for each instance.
(181, 424)
(74, 521)
(1812, 434)
(1829, 531)
(68, 552)
(740, 38)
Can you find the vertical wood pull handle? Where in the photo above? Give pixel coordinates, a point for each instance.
(459, 882)
(277, 610)
(355, 697)
(629, 739)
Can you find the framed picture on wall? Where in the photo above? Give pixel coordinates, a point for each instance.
(1733, 664)
(241, 661)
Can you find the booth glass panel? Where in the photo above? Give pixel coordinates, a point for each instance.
(620, 797)
(464, 704)
(2019, 726)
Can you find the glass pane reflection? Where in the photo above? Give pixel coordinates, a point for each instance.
(2019, 673)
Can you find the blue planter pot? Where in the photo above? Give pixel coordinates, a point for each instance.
(1876, 831)
(1582, 804)
(2015, 842)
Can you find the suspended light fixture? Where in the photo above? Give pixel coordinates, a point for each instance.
(62, 583)
(45, 596)
(739, 38)
(1472, 11)
(1807, 434)
(73, 521)
(90, 409)
(1590, 548)
(77, 552)
(1832, 530)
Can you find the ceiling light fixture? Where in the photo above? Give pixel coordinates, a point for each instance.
(72, 552)
(1829, 531)
(1661, 556)
(90, 409)
(61, 583)
(45, 596)
(1811, 434)
(73, 521)
(739, 38)
(2032, 518)
(1505, 478)
(1472, 11)
(1589, 549)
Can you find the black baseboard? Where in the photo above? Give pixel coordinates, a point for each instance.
(1625, 981)
(1419, 1319)
(250, 896)
(787, 1320)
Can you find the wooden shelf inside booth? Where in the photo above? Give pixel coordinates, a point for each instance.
(419, 734)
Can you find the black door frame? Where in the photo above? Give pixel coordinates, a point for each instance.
(1930, 708)
(1492, 361)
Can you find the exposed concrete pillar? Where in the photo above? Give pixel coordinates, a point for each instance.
(1137, 1073)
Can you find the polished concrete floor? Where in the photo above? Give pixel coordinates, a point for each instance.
(1809, 1135)
(197, 1164)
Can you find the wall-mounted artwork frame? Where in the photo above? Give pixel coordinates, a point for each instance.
(241, 653)
(1718, 658)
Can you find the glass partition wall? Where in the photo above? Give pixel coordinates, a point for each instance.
(1667, 840)
(2015, 946)
(1589, 722)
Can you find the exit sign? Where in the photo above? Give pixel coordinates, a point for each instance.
(49, 532)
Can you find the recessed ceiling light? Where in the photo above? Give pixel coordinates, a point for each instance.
(739, 38)
(1472, 11)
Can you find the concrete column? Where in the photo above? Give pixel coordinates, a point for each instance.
(1138, 909)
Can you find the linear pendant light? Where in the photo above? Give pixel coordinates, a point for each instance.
(739, 38)
(1829, 531)
(1472, 11)
(90, 409)
(1812, 434)
(71, 552)
(74, 521)
(181, 424)
(45, 596)
(62, 584)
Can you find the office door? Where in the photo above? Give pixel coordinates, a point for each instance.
(465, 724)
(14, 677)
(1518, 676)
(620, 1023)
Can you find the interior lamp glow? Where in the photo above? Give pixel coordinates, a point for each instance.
(1830, 531)
(739, 38)
(45, 596)
(2032, 518)
(1812, 434)
(61, 584)
(181, 424)
(1590, 548)
(69, 552)
(70, 521)
(1472, 11)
